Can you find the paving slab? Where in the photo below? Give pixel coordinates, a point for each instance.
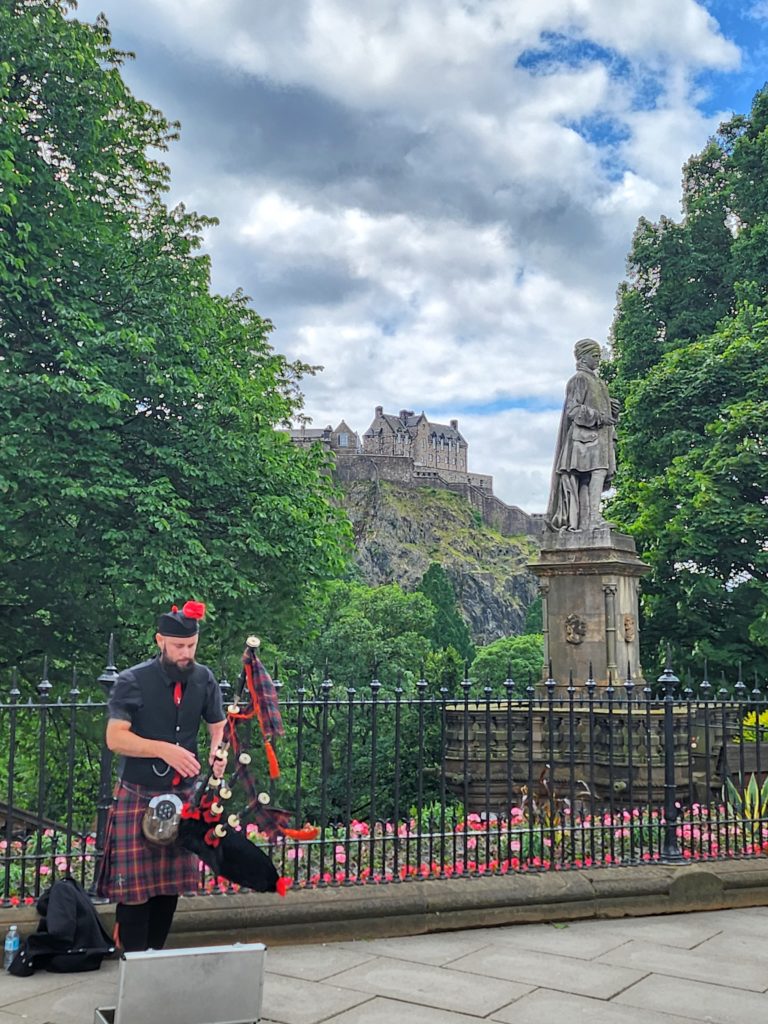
(15, 990)
(72, 1002)
(692, 964)
(735, 913)
(564, 974)
(735, 945)
(707, 1004)
(743, 925)
(544, 1007)
(387, 1011)
(704, 967)
(438, 987)
(683, 930)
(437, 948)
(294, 1001)
(315, 963)
(564, 939)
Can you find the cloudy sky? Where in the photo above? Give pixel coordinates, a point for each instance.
(434, 199)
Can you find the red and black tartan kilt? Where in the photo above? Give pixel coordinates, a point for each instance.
(133, 869)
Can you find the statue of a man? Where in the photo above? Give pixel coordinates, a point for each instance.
(585, 458)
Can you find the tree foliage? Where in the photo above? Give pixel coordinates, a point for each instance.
(140, 462)
(519, 658)
(353, 633)
(450, 629)
(690, 342)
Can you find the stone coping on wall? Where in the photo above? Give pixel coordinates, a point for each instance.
(435, 905)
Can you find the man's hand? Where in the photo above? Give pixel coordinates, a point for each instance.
(121, 740)
(181, 760)
(217, 759)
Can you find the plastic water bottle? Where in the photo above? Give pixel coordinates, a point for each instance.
(11, 948)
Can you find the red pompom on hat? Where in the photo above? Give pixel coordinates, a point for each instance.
(182, 623)
(194, 610)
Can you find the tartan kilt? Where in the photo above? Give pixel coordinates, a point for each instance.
(132, 869)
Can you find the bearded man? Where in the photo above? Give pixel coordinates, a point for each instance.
(154, 715)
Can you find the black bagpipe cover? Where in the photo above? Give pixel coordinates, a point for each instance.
(235, 857)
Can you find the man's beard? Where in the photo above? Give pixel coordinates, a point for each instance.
(175, 670)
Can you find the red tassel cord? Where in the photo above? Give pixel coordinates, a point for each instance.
(274, 767)
(302, 835)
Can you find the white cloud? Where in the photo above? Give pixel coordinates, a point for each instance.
(483, 166)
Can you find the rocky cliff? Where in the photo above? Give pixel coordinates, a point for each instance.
(399, 531)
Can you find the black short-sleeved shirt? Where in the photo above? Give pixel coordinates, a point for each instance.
(144, 696)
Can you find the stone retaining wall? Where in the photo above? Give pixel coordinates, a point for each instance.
(435, 905)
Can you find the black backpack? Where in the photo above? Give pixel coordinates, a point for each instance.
(69, 937)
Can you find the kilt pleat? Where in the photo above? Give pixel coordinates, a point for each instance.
(132, 869)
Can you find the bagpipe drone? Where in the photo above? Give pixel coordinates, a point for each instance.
(202, 825)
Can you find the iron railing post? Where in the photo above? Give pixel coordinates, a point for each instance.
(105, 680)
(44, 692)
(10, 795)
(670, 850)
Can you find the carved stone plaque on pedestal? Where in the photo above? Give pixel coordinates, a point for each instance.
(589, 581)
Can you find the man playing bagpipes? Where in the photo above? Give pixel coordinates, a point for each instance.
(165, 816)
(154, 714)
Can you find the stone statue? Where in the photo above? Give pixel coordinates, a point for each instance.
(585, 457)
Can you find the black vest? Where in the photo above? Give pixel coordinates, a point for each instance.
(158, 718)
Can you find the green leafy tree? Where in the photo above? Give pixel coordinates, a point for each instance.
(450, 629)
(140, 462)
(351, 636)
(533, 616)
(355, 632)
(690, 351)
(445, 669)
(512, 657)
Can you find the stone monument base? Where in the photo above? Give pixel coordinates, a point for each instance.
(589, 581)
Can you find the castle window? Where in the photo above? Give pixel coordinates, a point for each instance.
(344, 440)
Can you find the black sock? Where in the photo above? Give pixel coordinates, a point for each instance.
(133, 926)
(161, 911)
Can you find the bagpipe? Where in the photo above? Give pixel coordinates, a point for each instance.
(201, 823)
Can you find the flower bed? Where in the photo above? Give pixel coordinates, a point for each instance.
(442, 844)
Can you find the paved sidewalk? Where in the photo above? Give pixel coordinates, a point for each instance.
(710, 967)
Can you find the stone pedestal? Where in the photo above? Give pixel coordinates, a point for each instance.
(589, 583)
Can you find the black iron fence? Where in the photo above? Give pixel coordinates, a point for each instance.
(415, 781)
